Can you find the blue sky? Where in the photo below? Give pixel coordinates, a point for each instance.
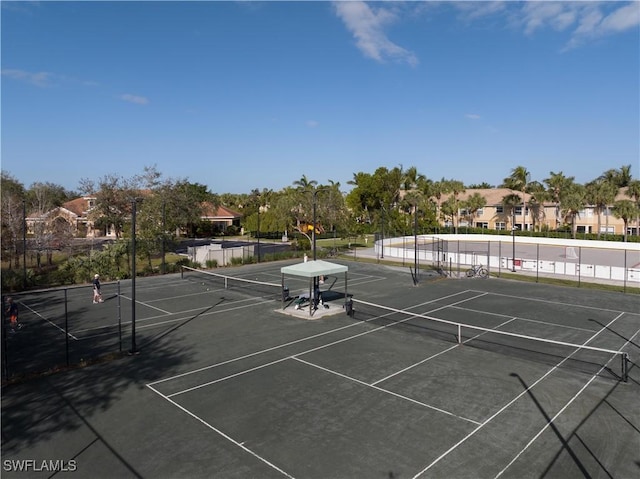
(244, 95)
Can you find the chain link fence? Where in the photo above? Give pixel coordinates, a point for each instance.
(616, 263)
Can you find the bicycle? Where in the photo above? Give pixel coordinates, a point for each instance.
(477, 270)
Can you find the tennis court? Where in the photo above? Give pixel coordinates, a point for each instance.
(464, 378)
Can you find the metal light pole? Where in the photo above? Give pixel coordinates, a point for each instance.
(415, 245)
(164, 232)
(382, 243)
(24, 244)
(259, 207)
(133, 276)
(513, 239)
(315, 196)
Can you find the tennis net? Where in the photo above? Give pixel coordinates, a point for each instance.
(581, 357)
(231, 284)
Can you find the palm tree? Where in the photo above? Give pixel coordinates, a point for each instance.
(633, 192)
(519, 180)
(556, 185)
(537, 196)
(625, 210)
(438, 189)
(304, 183)
(456, 187)
(573, 201)
(619, 177)
(412, 179)
(509, 202)
(601, 193)
(474, 203)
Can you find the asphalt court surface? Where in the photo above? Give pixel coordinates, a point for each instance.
(225, 385)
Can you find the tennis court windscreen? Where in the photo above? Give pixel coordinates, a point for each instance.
(581, 357)
(233, 285)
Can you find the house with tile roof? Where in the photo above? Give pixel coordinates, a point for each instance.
(73, 217)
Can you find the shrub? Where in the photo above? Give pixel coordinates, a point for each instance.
(211, 263)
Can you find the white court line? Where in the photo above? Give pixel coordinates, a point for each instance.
(218, 431)
(386, 391)
(561, 303)
(437, 354)
(317, 348)
(286, 344)
(146, 304)
(507, 405)
(161, 323)
(593, 378)
(537, 321)
(48, 321)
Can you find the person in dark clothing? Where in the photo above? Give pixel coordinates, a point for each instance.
(97, 295)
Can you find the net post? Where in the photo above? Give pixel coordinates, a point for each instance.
(459, 333)
(182, 272)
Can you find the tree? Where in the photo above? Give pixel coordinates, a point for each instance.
(304, 183)
(573, 202)
(438, 189)
(509, 203)
(600, 193)
(114, 195)
(633, 192)
(519, 181)
(479, 186)
(537, 197)
(557, 183)
(49, 233)
(619, 177)
(474, 203)
(625, 210)
(455, 187)
(13, 205)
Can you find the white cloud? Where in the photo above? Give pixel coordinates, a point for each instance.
(367, 26)
(584, 21)
(472, 116)
(39, 79)
(470, 11)
(138, 100)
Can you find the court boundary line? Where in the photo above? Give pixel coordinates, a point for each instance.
(573, 305)
(386, 391)
(62, 330)
(289, 343)
(510, 403)
(218, 431)
(446, 350)
(333, 343)
(295, 357)
(548, 424)
(546, 323)
(127, 324)
(229, 438)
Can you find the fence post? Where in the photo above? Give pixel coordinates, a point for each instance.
(5, 354)
(489, 256)
(626, 273)
(579, 263)
(66, 327)
(120, 312)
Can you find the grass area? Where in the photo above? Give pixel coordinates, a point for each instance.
(570, 283)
